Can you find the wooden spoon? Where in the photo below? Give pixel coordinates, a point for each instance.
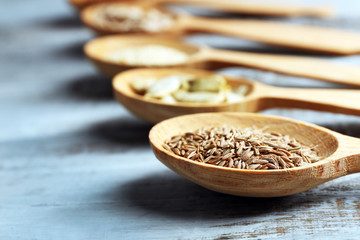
(205, 57)
(311, 38)
(259, 97)
(281, 9)
(339, 154)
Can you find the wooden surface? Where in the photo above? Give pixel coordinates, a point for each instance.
(74, 164)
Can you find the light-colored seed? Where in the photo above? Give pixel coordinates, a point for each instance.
(246, 155)
(256, 152)
(229, 155)
(260, 161)
(254, 166)
(239, 152)
(231, 163)
(193, 153)
(167, 147)
(222, 163)
(236, 163)
(208, 159)
(212, 151)
(244, 165)
(272, 166)
(271, 144)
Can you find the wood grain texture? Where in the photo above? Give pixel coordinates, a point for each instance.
(258, 98)
(279, 9)
(302, 37)
(311, 67)
(74, 164)
(339, 154)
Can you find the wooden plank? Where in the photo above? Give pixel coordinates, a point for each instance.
(74, 164)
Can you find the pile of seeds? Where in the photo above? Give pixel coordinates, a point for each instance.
(122, 18)
(189, 88)
(247, 148)
(144, 55)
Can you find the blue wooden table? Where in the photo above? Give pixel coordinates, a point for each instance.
(74, 164)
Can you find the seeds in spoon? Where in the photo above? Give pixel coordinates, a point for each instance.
(188, 88)
(248, 148)
(148, 55)
(122, 18)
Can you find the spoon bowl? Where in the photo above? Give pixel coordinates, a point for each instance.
(155, 111)
(96, 50)
(339, 155)
(258, 97)
(89, 17)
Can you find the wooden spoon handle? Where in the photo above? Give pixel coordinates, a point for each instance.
(332, 100)
(349, 149)
(291, 65)
(259, 8)
(319, 39)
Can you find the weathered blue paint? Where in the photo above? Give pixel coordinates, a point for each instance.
(74, 164)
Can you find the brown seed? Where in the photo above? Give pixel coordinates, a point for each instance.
(260, 161)
(282, 163)
(263, 167)
(231, 163)
(175, 139)
(176, 151)
(272, 166)
(241, 148)
(167, 147)
(222, 163)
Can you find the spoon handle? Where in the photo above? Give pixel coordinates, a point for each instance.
(332, 100)
(281, 9)
(349, 149)
(312, 38)
(290, 65)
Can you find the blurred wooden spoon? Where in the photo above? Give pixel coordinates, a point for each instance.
(98, 49)
(280, 9)
(311, 38)
(340, 155)
(259, 97)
